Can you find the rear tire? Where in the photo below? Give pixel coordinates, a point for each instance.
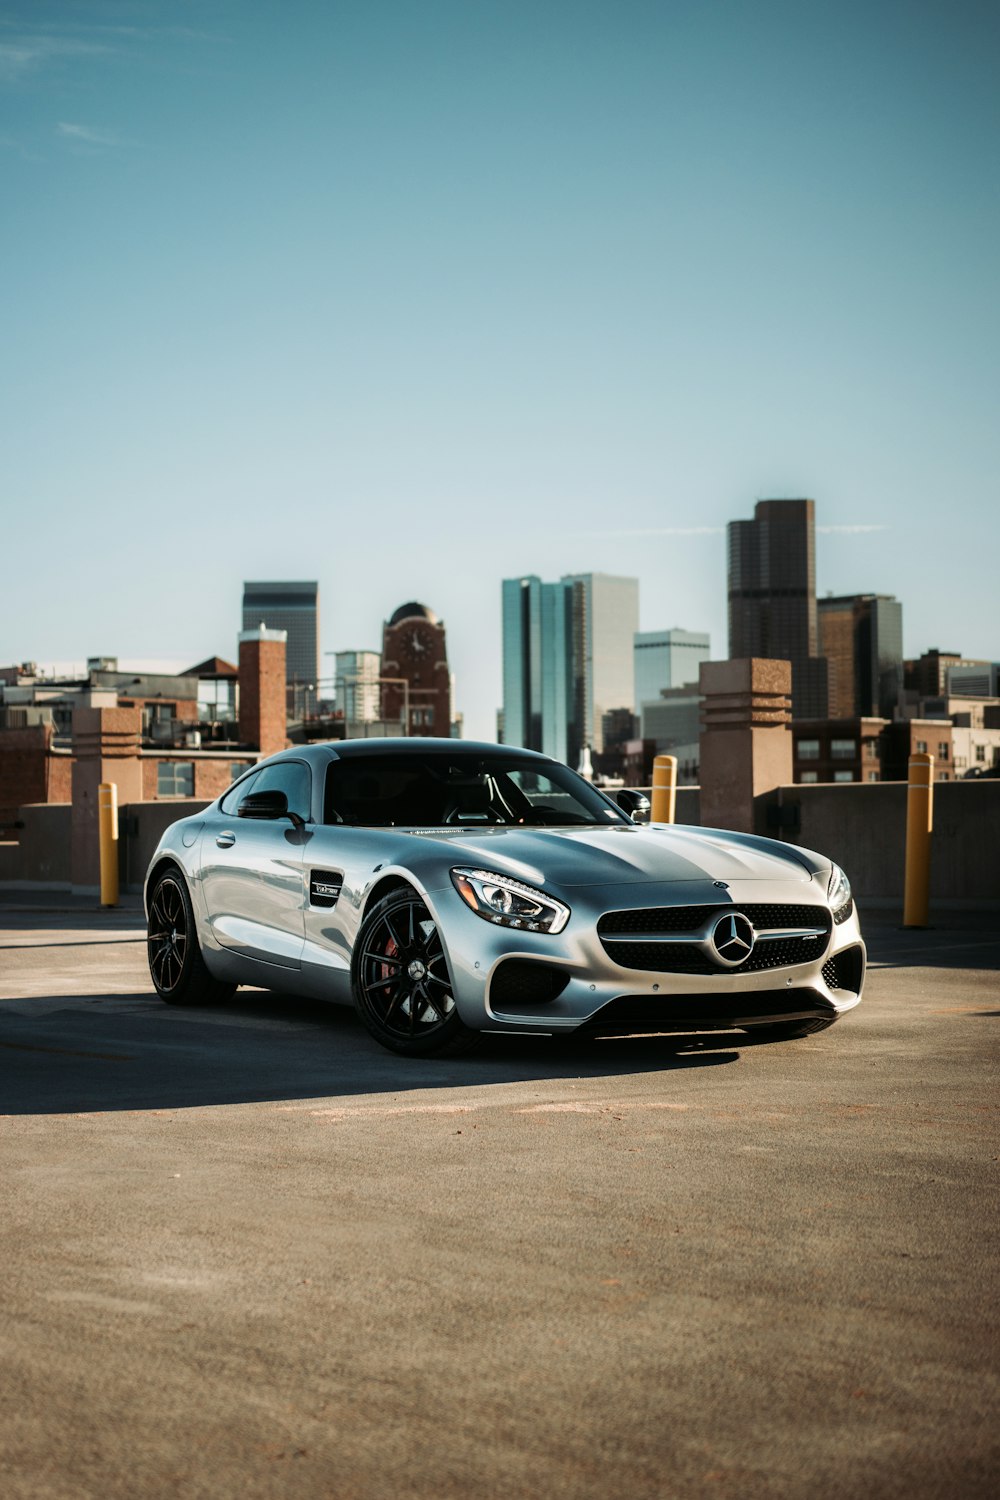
(402, 987)
(179, 973)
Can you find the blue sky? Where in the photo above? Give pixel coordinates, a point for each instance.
(410, 297)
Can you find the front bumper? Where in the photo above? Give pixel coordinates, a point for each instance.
(509, 980)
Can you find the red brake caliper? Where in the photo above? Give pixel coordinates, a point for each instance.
(390, 952)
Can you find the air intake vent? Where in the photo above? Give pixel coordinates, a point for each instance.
(324, 888)
(846, 970)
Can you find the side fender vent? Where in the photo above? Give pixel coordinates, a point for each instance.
(324, 887)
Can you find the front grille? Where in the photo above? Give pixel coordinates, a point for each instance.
(632, 1013)
(846, 970)
(688, 958)
(762, 914)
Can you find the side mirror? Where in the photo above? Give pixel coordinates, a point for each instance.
(268, 805)
(636, 804)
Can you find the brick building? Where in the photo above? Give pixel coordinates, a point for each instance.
(848, 749)
(187, 735)
(414, 650)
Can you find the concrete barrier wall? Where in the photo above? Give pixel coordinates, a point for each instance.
(41, 857)
(141, 827)
(860, 825)
(863, 827)
(43, 846)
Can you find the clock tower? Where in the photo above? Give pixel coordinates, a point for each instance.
(414, 649)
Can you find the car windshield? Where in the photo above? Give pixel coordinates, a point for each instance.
(442, 791)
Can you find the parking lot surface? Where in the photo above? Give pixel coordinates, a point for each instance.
(248, 1253)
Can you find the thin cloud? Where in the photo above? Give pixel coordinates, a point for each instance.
(719, 530)
(849, 530)
(86, 135)
(663, 531)
(23, 54)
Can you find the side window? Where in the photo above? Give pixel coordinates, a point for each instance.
(291, 777)
(235, 795)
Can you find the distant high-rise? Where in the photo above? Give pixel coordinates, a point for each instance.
(772, 596)
(356, 685)
(606, 618)
(861, 636)
(667, 659)
(542, 699)
(567, 659)
(294, 608)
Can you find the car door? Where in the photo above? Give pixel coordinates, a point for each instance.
(253, 883)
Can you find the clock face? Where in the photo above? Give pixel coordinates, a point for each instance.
(420, 644)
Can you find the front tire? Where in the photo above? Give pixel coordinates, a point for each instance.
(402, 988)
(176, 966)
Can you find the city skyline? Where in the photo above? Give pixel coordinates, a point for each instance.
(413, 302)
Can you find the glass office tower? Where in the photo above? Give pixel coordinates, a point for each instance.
(294, 608)
(667, 659)
(567, 659)
(861, 636)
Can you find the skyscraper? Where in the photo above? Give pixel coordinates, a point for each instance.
(861, 636)
(605, 623)
(542, 701)
(294, 608)
(667, 659)
(356, 685)
(772, 596)
(567, 659)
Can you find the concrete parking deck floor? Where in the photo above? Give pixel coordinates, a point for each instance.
(247, 1253)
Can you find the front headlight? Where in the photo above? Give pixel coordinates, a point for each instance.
(838, 893)
(509, 903)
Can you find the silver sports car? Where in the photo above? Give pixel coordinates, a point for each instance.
(450, 889)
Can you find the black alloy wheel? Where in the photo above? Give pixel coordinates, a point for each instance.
(402, 988)
(176, 965)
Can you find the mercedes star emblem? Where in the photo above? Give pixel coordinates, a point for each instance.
(733, 939)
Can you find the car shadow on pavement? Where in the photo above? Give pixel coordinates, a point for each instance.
(77, 1054)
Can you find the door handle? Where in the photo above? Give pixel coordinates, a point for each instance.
(225, 840)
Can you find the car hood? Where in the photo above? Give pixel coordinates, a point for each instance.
(616, 856)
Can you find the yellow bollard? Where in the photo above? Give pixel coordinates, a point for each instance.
(919, 822)
(664, 789)
(107, 816)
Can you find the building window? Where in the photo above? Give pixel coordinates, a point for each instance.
(871, 749)
(843, 775)
(943, 750)
(216, 702)
(808, 776)
(921, 747)
(237, 768)
(944, 776)
(981, 752)
(807, 749)
(843, 749)
(175, 778)
(873, 776)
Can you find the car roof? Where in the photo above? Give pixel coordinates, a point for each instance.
(325, 751)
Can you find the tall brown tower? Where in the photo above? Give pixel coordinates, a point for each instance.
(414, 648)
(772, 597)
